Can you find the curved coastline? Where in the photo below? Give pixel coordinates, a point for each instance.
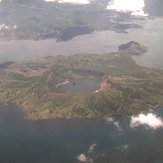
(120, 83)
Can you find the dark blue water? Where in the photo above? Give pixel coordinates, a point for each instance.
(63, 140)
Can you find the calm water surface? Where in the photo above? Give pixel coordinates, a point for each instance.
(81, 85)
(97, 42)
(63, 140)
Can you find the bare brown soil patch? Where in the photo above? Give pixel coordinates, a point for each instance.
(104, 84)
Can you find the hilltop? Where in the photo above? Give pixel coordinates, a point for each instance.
(133, 48)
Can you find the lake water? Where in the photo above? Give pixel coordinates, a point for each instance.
(68, 140)
(64, 140)
(80, 85)
(97, 42)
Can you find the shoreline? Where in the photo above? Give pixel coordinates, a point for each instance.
(66, 82)
(103, 84)
(59, 117)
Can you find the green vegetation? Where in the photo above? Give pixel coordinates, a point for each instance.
(38, 19)
(32, 86)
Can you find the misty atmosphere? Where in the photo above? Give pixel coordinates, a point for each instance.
(81, 81)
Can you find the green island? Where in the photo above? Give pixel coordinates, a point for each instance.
(126, 88)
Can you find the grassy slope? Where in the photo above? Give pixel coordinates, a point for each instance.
(134, 88)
